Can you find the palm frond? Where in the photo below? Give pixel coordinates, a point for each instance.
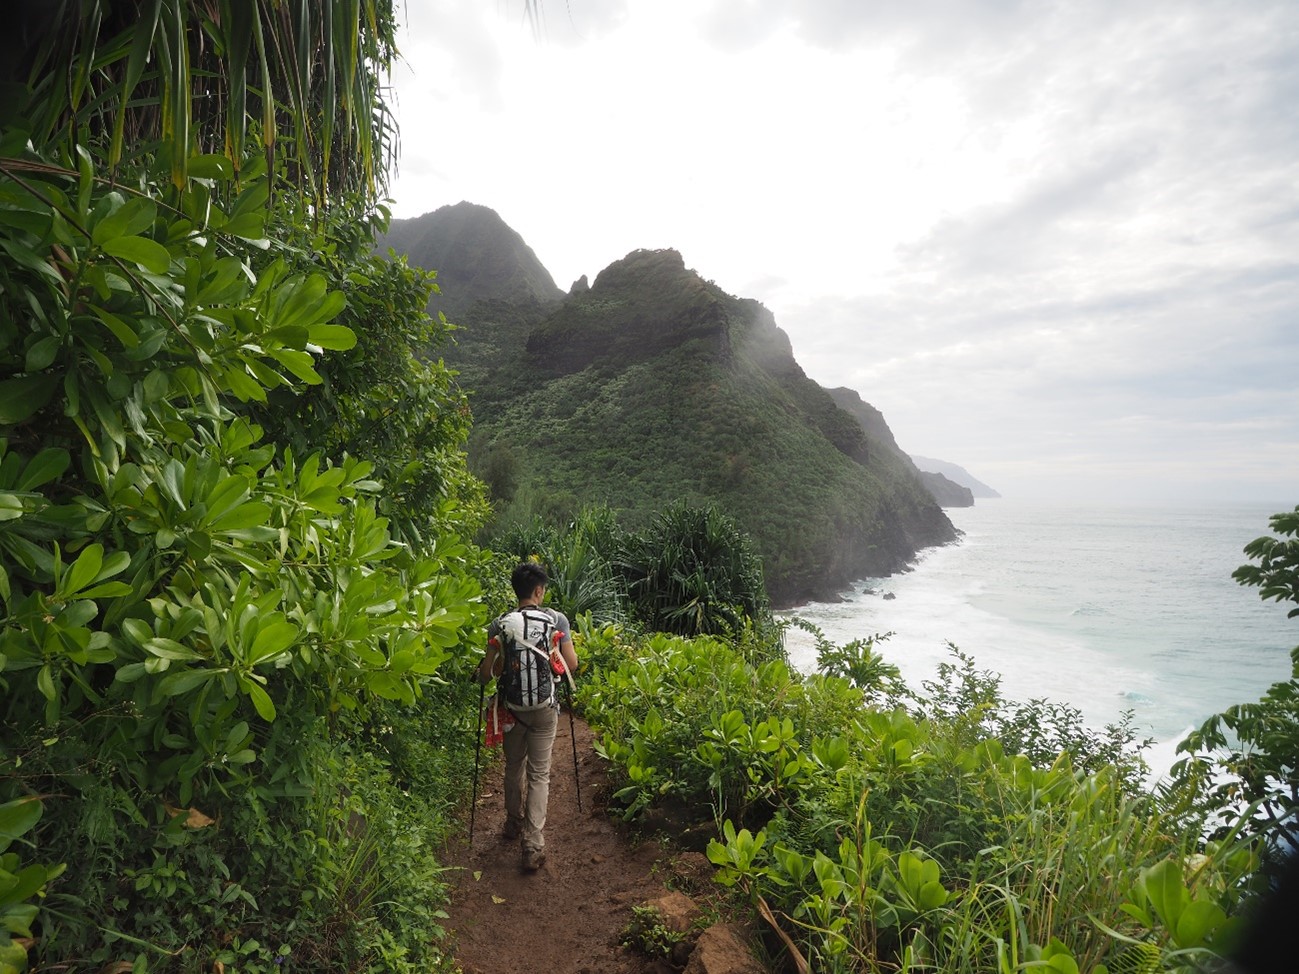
(188, 77)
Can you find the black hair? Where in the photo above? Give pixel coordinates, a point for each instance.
(526, 577)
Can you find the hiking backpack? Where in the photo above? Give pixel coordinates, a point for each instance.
(527, 637)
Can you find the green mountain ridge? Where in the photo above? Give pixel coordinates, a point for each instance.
(476, 255)
(654, 386)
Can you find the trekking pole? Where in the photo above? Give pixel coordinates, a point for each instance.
(478, 750)
(572, 735)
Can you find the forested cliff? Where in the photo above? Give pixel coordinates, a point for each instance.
(654, 385)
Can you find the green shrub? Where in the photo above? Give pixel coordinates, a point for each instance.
(205, 626)
(693, 572)
(885, 839)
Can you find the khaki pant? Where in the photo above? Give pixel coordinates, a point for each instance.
(527, 773)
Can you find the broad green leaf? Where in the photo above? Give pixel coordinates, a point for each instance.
(17, 818)
(137, 631)
(253, 198)
(1197, 923)
(299, 363)
(26, 884)
(228, 282)
(128, 220)
(108, 590)
(173, 482)
(244, 386)
(11, 507)
(45, 683)
(85, 182)
(324, 499)
(272, 639)
(338, 337)
(114, 564)
(83, 571)
(266, 375)
(28, 258)
(210, 166)
(227, 494)
(149, 254)
(130, 672)
(385, 685)
(183, 681)
(332, 305)
(262, 702)
(157, 385)
(169, 649)
(307, 300)
(248, 226)
(20, 398)
(249, 515)
(44, 467)
(237, 734)
(932, 895)
(76, 614)
(1063, 964)
(1166, 889)
(124, 332)
(42, 353)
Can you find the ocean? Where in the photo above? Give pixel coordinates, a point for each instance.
(1109, 609)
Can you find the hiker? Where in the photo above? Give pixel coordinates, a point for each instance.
(529, 741)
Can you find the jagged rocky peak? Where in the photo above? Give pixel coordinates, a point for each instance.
(645, 266)
(477, 256)
(580, 286)
(684, 304)
(637, 308)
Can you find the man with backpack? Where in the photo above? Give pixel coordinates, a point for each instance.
(529, 651)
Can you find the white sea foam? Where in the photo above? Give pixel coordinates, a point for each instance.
(1107, 609)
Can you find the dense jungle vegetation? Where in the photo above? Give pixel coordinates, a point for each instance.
(240, 594)
(233, 506)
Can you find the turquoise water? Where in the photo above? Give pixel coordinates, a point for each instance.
(1109, 609)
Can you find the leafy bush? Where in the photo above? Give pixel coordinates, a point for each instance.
(206, 627)
(692, 571)
(970, 705)
(580, 560)
(879, 838)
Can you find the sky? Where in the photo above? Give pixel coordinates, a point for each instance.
(1054, 242)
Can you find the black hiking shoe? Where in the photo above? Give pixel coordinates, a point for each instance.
(533, 860)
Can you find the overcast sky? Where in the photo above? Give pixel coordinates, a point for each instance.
(1054, 242)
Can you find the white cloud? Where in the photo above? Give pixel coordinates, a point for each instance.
(1053, 243)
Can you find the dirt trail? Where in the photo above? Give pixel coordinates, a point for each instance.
(568, 917)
